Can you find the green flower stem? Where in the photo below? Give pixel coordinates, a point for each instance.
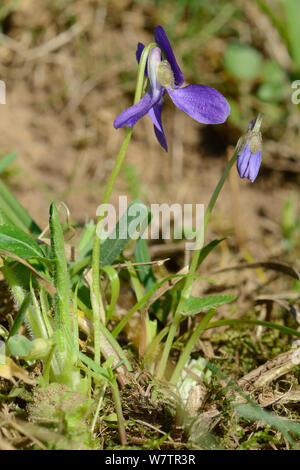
(95, 288)
(186, 291)
(119, 412)
(218, 188)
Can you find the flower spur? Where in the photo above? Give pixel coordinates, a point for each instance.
(202, 103)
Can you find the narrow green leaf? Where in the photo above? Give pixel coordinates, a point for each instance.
(253, 409)
(185, 355)
(292, 12)
(145, 272)
(87, 360)
(255, 413)
(6, 161)
(208, 248)
(62, 309)
(16, 212)
(115, 289)
(86, 240)
(282, 328)
(194, 305)
(20, 315)
(277, 22)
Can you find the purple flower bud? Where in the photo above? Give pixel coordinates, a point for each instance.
(249, 151)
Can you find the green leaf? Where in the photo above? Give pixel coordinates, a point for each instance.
(208, 248)
(61, 281)
(103, 374)
(4, 219)
(273, 73)
(19, 345)
(292, 12)
(267, 324)
(16, 212)
(243, 62)
(255, 413)
(115, 289)
(145, 273)
(195, 305)
(6, 161)
(113, 246)
(86, 240)
(20, 316)
(276, 86)
(271, 12)
(271, 92)
(14, 240)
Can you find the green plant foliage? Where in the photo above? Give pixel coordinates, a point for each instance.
(19, 345)
(242, 62)
(15, 241)
(195, 305)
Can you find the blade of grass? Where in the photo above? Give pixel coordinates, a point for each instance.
(6, 161)
(16, 212)
(292, 13)
(20, 316)
(185, 355)
(267, 324)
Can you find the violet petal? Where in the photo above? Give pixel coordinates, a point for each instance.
(162, 40)
(203, 103)
(243, 161)
(254, 165)
(132, 114)
(155, 115)
(138, 54)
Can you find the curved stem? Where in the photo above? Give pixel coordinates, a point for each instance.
(95, 288)
(186, 291)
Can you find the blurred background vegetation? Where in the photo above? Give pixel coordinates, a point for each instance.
(70, 68)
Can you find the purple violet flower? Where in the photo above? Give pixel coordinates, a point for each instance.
(249, 151)
(203, 103)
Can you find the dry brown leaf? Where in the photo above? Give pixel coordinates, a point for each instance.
(271, 370)
(10, 369)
